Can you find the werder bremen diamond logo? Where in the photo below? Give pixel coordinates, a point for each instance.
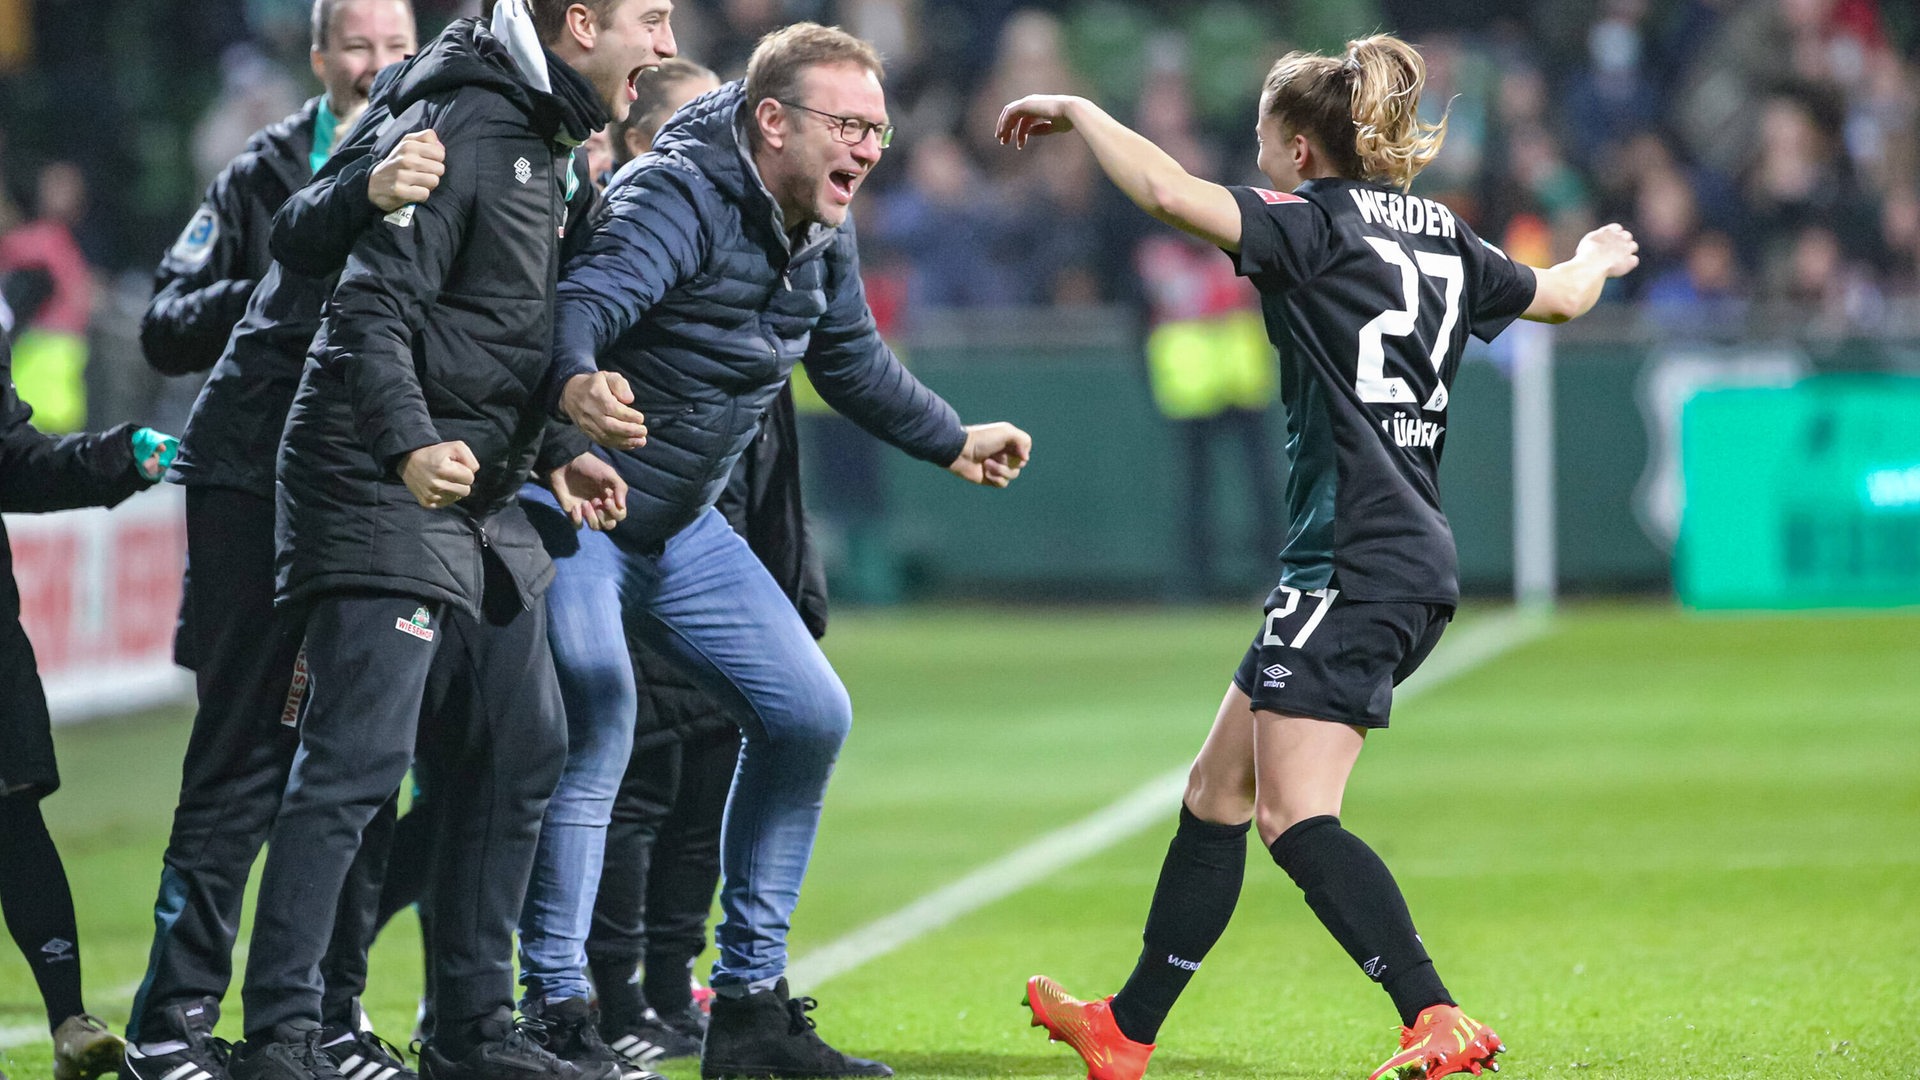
(523, 170)
(416, 626)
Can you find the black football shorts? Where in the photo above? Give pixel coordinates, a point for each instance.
(1318, 654)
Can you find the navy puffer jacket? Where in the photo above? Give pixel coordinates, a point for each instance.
(690, 287)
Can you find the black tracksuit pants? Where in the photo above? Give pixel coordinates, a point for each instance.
(663, 862)
(242, 654)
(501, 748)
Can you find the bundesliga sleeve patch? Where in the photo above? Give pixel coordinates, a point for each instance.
(196, 241)
(1276, 198)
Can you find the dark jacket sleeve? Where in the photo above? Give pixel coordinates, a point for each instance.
(381, 303)
(316, 227)
(39, 472)
(202, 285)
(559, 444)
(857, 374)
(645, 239)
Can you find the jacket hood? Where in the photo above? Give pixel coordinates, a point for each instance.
(284, 146)
(708, 133)
(291, 137)
(467, 55)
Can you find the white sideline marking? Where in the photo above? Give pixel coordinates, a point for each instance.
(1151, 804)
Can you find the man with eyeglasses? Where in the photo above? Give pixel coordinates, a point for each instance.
(716, 263)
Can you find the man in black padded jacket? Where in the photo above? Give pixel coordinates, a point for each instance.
(241, 653)
(417, 418)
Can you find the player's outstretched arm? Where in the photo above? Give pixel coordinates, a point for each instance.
(1569, 290)
(1147, 174)
(994, 454)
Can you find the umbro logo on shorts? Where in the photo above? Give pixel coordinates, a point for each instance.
(523, 170)
(1275, 672)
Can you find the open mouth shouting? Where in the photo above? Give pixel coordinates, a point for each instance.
(842, 183)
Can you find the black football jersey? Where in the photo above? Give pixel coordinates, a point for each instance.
(1369, 295)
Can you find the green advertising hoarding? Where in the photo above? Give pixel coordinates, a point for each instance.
(1800, 497)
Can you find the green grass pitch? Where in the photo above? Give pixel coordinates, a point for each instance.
(1646, 845)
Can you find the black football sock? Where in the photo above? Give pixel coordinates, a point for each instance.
(616, 982)
(1199, 886)
(39, 905)
(1353, 893)
(666, 981)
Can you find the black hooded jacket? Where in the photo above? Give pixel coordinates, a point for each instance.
(438, 331)
(233, 435)
(39, 473)
(202, 284)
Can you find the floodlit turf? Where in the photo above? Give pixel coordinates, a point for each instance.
(1647, 845)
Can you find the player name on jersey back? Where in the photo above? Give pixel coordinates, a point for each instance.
(1408, 213)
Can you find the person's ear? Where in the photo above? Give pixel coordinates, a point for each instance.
(771, 116)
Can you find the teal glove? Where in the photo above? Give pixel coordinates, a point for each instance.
(149, 445)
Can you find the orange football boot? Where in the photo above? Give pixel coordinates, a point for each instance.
(1443, 1041)
(1088, 1027)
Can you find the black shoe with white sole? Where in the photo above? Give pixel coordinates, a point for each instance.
(183, 1049)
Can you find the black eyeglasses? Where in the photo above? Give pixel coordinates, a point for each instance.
(849, 129)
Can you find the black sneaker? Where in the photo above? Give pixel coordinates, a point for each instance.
(768, 1034)
(203, 1057)
(650, 1039)
(570, 1028)
(502, 1049)
(691, 1021)
(362, 1055)
(292, 1053)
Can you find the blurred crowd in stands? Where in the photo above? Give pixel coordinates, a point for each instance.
(1764, 151)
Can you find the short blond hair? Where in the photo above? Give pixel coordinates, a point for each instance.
(783, 57)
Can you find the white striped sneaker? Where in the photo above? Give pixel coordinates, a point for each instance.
(362, 1055)
(204, 1059)
(651, 1040)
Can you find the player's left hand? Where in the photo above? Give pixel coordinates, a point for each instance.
(994, 454)
(591, 492)
(1034, 115)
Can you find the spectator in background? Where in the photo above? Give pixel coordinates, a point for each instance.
(1030, 56)
(1209, 366)
(1705, 296)
(254, 92)
(1820, 291)
(50, 355)
(1795, 174)
(1212, 375)
(938, 220)
(1614, 97)
(1667, 216)
(40, 473)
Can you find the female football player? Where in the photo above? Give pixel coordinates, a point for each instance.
(1369, 293)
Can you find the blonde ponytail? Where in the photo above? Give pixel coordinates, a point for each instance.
(1362, 111)
(1389, 137)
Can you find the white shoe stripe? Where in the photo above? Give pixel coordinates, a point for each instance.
(625, 1041)
(352, 1062)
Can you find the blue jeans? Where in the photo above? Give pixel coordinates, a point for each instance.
(706, 601)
